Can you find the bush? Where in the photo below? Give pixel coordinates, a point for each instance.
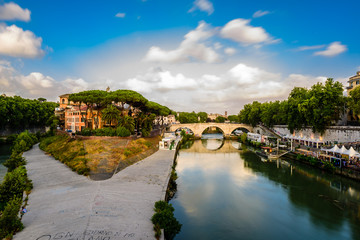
(86, 132)
(13, 186)
(164, 218)
(145, 132)
(24, 142)
(122, 132)
(9, 220)
(15, 160)
(10, 139)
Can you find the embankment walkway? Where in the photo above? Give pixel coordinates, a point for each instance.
(64, 205)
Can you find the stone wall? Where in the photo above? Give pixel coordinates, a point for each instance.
(340, 134)
(8, 131)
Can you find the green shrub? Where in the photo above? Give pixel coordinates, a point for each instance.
(10, 139)
(164, 218)
(122, 132)
(13, 185)
(313, 161)
(9, 220)
(86, 132)
(15, 160)
(328, 166)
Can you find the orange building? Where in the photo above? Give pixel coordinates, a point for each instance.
(75, 118)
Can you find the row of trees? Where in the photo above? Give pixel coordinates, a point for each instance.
(126, 103)
(320, 106)
(202, 117)
(18, 113)
(15, 183)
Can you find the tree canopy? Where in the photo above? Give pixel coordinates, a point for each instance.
(20, 113)
(319, 107)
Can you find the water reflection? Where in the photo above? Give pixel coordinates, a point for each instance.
(4, 154)
(232, 194)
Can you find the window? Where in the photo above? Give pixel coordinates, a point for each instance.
(82, 119)
(63, 101)
(357, 82)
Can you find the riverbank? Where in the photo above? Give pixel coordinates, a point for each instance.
(64, 205)
(344, 172)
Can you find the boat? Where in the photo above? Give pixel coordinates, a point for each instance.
(262, 154)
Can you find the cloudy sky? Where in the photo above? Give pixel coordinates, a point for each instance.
(190, 55)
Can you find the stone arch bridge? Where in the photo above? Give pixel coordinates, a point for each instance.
(199, 128)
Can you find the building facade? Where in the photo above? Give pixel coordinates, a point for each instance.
(354, 81)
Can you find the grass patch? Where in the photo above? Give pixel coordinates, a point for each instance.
(68, 151)
(98, 156)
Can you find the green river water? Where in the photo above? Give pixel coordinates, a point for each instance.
(4, 154)
(227, 193)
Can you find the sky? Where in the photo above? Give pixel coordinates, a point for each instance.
(189, 55)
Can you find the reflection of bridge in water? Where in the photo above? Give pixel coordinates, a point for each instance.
(224, 146)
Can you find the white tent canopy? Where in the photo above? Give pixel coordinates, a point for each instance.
(343, 150)
(353, 153)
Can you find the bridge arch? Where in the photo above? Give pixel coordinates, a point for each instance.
(211, 128)
(198, 128)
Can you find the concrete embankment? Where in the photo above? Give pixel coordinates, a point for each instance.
(67, 206)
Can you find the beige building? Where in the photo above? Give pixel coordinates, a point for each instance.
(354, 81)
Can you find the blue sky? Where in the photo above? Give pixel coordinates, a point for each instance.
(189, 55)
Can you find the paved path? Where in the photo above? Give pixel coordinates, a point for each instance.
(64, 205)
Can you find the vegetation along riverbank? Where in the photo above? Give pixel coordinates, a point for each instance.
(14, 185)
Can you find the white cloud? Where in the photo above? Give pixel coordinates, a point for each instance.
(161, 81)
(16, 42)
(260, 13)
(203, 5)
(36, 84)
(217, 45)
(120, 15)
(299, 80)
(305, 48)
(240, 31)
(12, 11)
(334, 49)
(230, 51)
(191, 48)
(76, 85)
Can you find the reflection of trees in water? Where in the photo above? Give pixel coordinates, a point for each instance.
(187, 144)
(326, 206)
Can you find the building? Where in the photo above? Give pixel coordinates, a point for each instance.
(165, 120)
(354, 81)
(75, 118)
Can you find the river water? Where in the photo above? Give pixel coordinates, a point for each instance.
(227, 193)
(4, 154)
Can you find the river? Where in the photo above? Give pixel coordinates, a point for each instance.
(226, 193)
(4, 154)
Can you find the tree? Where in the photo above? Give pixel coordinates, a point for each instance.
(354, 101)
(13, 185)
(233, 118)
(203, 116)
(254, 115)
(128, 123)
(185, 117)
(111, 114)
(9, 219)
(220, 119)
